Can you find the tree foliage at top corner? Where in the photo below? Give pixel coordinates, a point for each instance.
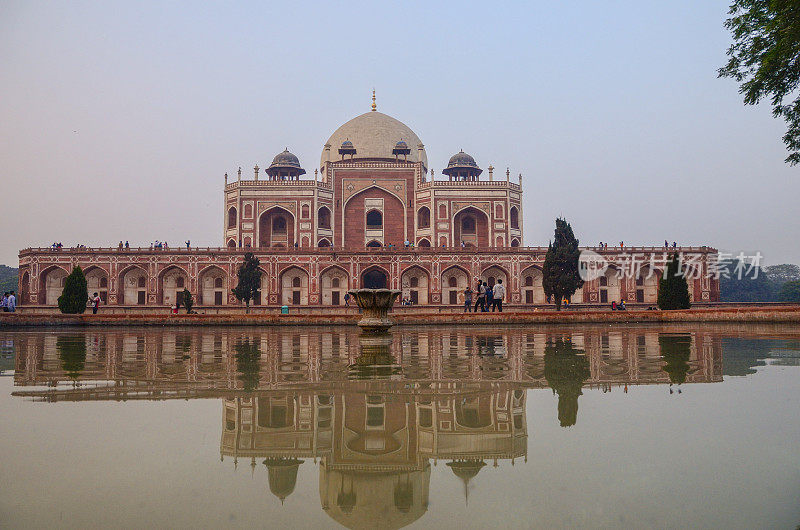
(765, 60)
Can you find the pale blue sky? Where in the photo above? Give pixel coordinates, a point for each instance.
(118, 120)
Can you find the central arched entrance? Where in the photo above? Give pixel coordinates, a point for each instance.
(374, 279)
(276, 228)
(471, 226)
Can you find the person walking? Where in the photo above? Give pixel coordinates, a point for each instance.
(480, 297)
(95, 299)
(468, 300)
(498, 294)
(12, 302)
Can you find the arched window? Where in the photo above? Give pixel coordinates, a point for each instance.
(452, 282)
(374, 244)
(375, 279)
(515, 242)
(498, 211)
(248, 210)
(414, 282)
(218, 283)
(335, 283)
(424, 243)
(424, 217)
(324, 218)
(374, 219)
(279, 225)
(442, 211)
(323, 243)
(231, 244)
(305, 211)
(232, 217)
(514, 217)
(528, 281)
(296, 281)
(467, 224)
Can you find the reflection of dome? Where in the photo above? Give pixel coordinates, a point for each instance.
(466, 470)
(364, 499)
(282, 475)
(375, 135)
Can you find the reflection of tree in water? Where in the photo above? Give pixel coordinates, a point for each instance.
(565, 369)
(676, 350)
(247, 356)
(72, 352)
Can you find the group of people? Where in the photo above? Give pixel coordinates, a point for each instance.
(56, 246)
(126, 246)
(406, 300)
(666, 244)
(618, 306)
(9, 302)
(487, 297)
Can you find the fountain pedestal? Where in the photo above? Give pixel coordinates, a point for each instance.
(375, 305)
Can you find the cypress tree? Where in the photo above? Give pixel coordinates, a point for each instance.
(673, 290)
(72, 353)
(75, 294)
(188, 301)
(560, 274)
(249, 280)
(247, 363)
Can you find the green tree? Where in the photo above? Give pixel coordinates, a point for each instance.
(560, 275)
(743, 283)
(676, 350)
(790, 292)
(72, 353)
(765, 60)
(75, 294)
(673, 291)
(249, 280)
(188, 301)
(565, 369)
(247, 357)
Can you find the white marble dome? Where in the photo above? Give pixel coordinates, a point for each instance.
(374, 135)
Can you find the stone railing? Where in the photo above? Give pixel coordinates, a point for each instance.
(304, 183)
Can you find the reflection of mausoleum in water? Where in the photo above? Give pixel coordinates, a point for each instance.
(374, 450)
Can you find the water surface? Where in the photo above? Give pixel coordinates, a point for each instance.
(465, 427)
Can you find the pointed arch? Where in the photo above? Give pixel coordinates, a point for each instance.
(493, 273)
(375, 277)
(51, 284)
(471, 226)
(294, 286)
(132, 285)
(213, 285)
(415, 284)
(97, 280)
(454, 281)
(276, 227)
(531, 285)
(172, 280)
(334, 283)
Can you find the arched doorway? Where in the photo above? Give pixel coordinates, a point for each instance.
(324, 243)
(276, 228)
(494, 273)
(414, 283)
(294, 287)
(374, 279)
(133, 286)
(423, 217)
(454, 282)
(471, 226)
(532, 290)
(334, 284)
(173, 281)
(423, 243)
(97, 282)
(214, 287)
(609, 286)
(324, 218)
(52, 284)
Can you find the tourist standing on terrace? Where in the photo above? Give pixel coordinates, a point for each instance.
(468, 300)
(95, 303)
(498, 293)
(11, 303)
(481, 296)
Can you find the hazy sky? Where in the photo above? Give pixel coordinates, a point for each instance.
(118, 120)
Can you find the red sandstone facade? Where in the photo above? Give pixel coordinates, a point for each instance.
(373, 210)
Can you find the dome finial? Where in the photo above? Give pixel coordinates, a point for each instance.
(374, 107)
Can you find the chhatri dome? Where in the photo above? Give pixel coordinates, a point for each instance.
(375, 135)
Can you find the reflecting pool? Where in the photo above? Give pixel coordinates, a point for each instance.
(457, 427)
